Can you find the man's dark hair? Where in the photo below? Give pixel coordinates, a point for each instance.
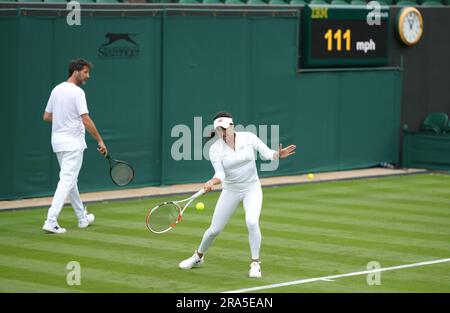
(78, 65)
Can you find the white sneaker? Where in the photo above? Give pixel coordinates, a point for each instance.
(86, 221)
(193, 261)
(255, 270)
(53, 228)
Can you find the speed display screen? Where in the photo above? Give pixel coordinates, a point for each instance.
(334, 36)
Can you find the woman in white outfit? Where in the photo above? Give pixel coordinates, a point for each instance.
(233, 158)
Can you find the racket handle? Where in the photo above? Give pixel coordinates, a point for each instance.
(199, 193)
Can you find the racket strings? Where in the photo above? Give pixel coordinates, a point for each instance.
(122, 174)
(164, 217)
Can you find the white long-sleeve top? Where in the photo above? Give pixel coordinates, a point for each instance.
(237, 168)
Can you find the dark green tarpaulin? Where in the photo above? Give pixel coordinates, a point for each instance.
(426, 150)
(187, 67)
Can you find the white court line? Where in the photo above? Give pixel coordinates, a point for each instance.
(325, 278)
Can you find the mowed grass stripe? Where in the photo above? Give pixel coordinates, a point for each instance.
(364, 207)
(305, 237)
(118, 277)
(200, 222)
(24, 280)
(304, 231)
(315, 262)
(121, 252)
(368, 236)
(111, 238)
(350, 195)
(373, 251)
(167, 270)
(435, 277)
(56, 273)
(379, 186)
(391, 242)
(358, 226)
(12, 285)
(350, 212)
(316, 242)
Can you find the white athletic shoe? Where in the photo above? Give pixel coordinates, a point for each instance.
(53, 228)
(193, 261)
(86, 221)
(255, 270)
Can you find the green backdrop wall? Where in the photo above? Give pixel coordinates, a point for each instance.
(187, 67)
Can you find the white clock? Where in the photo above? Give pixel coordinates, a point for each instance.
(409, 25)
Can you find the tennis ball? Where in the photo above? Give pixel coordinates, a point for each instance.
(310, 176)
(200, 206)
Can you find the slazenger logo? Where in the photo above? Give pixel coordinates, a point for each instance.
(119, 45)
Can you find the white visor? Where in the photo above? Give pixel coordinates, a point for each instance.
(224, 122)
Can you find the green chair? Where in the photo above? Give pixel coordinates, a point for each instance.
(298, 2)
(212, 2)
(385, 2)
(447, 128)
(318, 2)
(339, 2)
(358, 2)
(406, 3)
(188, 2)
(256, 2)
(277, 2)
(236, 2)
(431, 3)
(435, 122)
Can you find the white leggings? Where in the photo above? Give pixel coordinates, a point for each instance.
(226, 206)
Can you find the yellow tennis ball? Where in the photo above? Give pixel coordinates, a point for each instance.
(200, 206)
(310, 176)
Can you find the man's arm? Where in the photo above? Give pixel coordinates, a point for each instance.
(90, 126)
(48, 116)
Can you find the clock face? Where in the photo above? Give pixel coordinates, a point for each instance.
(410, 26)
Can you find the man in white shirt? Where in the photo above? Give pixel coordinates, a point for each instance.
(233, 158)
(67, 111)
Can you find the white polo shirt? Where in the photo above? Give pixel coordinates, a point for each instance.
(237, 168)
(67, 103)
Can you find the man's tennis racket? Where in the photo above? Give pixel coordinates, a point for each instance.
(167, 215)
(121, 172)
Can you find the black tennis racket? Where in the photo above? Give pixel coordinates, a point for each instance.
(122, 173)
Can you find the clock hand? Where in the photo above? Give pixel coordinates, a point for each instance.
(410, 21)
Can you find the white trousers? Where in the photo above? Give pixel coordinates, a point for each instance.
(226, 206)
(70, 163)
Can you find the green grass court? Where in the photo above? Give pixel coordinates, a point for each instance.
(309, 230)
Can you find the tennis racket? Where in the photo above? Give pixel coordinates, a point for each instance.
(121, 172)
(167, 215)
